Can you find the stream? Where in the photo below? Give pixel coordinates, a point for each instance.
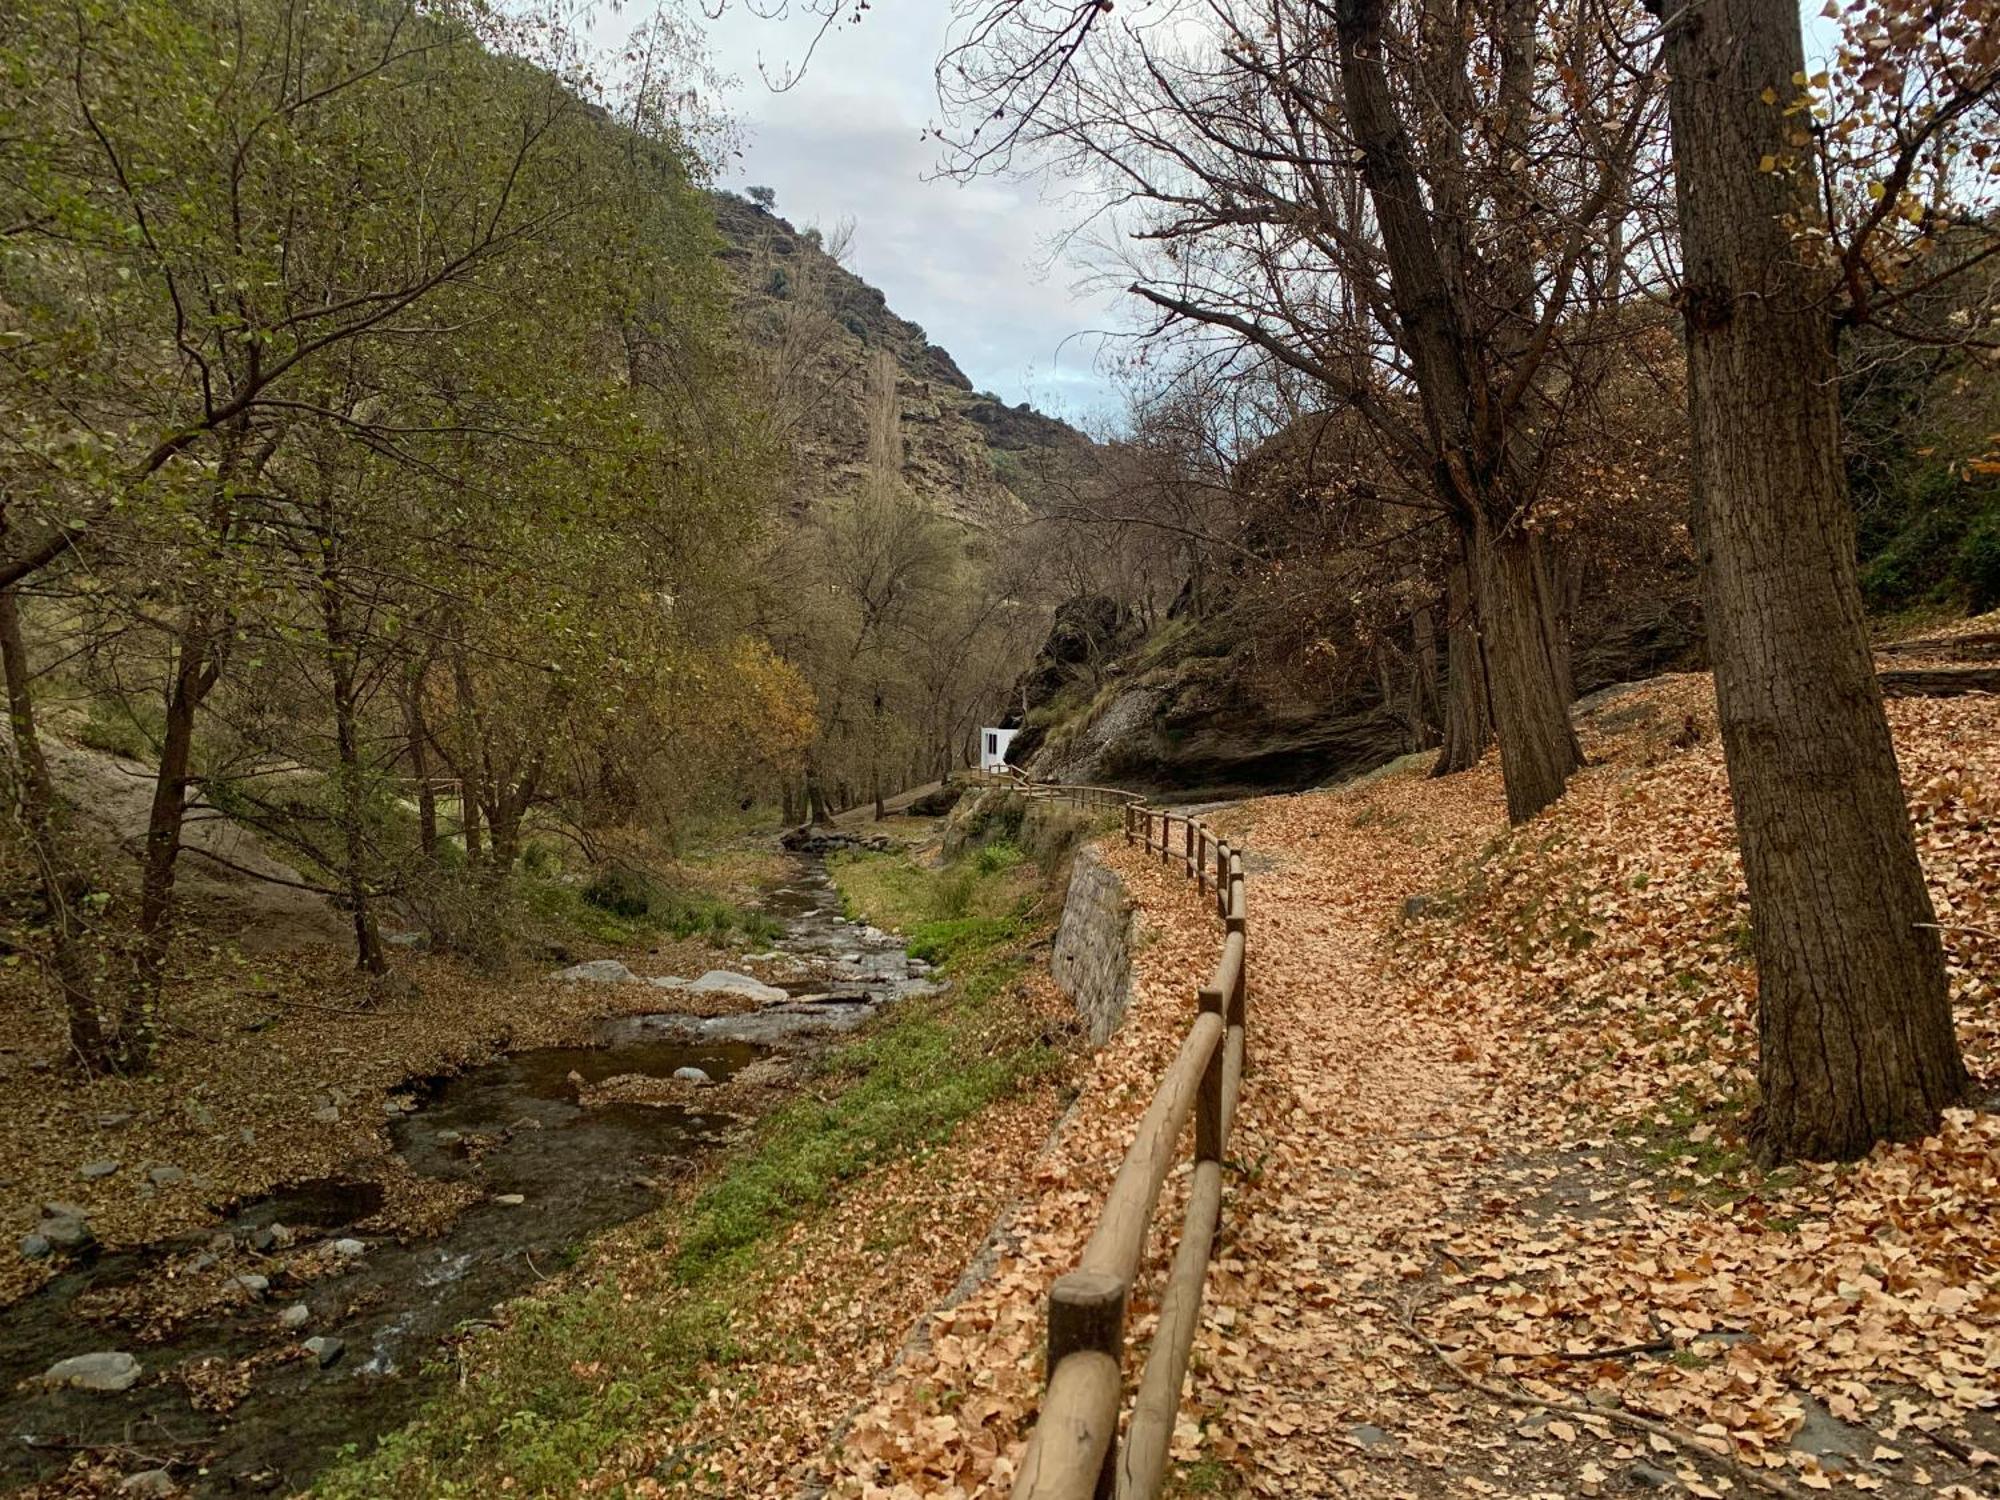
(553, 1173)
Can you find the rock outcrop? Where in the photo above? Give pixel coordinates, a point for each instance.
(967, 454)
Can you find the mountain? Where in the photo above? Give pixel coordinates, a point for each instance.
(823, 332)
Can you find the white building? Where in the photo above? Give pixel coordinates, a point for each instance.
(993, 745)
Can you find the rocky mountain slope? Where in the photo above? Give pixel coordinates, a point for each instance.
(821, 330)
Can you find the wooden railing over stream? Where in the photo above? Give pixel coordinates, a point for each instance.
(1073, 1453)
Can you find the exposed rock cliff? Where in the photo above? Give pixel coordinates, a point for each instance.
(966, 453)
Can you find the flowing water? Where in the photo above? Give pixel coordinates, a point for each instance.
(515, 1128)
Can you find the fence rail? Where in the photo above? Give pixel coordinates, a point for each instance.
(1074, 1453)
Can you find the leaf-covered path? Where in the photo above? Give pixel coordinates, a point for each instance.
(1490, 1156)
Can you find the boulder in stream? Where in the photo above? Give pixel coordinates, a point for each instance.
(108, 1370)
(727, 982)
(325, 1348)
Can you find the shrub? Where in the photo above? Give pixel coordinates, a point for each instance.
(1977, 566)
(622, 892)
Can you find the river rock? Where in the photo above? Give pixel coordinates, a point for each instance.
(148, 1484)
(728, 982)
(347, 1248)
(110, 1370)
(325, 1348)
(64, 1231)
(597, 971)
(35, 1246)
(252, 1283)
(693, 1075)
(295, 1316)
(95, 1169)
(165, 1176)
(326, 1114)
(511, 1200)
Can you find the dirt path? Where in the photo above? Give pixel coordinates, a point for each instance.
(1492, 1135)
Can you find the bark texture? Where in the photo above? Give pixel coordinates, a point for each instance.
(1526, 672)
(1468, 714)
(64, 886)
(1854, 1020)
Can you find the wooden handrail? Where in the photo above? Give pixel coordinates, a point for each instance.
(1073, 1453)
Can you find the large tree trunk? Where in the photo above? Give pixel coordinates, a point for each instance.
(1525, 676)
(1854, 1020)
(1468, 714)
(64, 887)
(817, 808)
(1525, 679)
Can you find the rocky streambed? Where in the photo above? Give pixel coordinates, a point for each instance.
(242, 1358)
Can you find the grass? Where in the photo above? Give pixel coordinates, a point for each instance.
(638, 1339)
(623, 910)
(129, 730)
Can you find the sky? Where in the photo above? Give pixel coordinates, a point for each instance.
(968, 262)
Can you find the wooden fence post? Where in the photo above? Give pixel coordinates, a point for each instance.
(1208, 1142)
(1222, 880)
(1189, 846)
(1087, 1315)
(1128, 822)
(1201, 864)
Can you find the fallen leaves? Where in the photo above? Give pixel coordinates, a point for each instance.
(1501, 1075)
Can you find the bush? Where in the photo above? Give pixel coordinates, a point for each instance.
(622, 892)
(1977, 566)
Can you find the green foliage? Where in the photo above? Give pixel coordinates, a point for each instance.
(622, 908)
(1977, 564)
(622, 892)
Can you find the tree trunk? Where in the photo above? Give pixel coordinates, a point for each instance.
(1854, 1018)
(1538, 748)
(416, 736)
(1468, 714)
(505, 826)
(340, 657)
(817, 810)
(789, 793)
(1424, 709)
(194, 674)
(64, 887)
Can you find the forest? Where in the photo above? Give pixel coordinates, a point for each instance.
(467, 576)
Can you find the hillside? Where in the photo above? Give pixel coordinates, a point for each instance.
(968, 454)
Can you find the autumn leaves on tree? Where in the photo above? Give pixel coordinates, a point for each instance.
(371, 436)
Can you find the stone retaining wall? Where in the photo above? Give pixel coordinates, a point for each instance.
(1092, 962)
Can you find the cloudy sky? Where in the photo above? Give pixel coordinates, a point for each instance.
(971, 263)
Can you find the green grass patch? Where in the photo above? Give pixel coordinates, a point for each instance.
(624, 909)
(123, 728)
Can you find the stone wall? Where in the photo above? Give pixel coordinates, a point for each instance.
(1092, 962)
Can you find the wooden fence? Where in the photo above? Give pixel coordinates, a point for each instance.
(1074, 1453)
